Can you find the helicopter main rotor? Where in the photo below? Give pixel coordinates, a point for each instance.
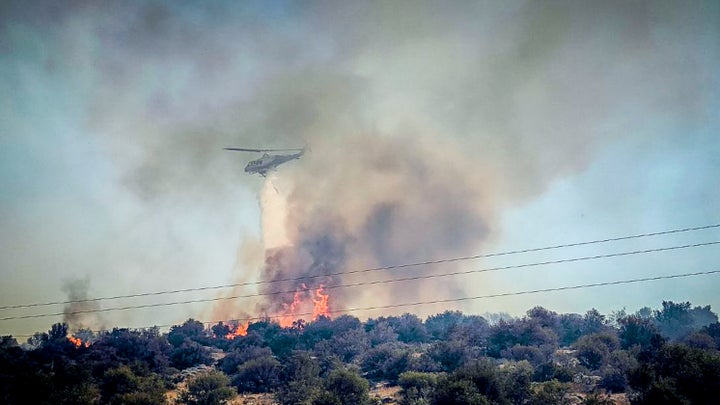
(268, 161)
(262, 150)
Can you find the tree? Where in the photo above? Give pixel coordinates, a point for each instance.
(551, 392)
(220, 330)
(473, 330)
(71, 384)
(326, 398)
(636, 331)
(441, 326)
(191, 329)
(282, 341)
(348, 387)
(317, 331)
(58, 331)
(449, 354)
(524, 332)
(211, 388)
(516, 379)
(594, 350)
(189, 354)
(594, 322)
(122, 386)
(300, 381)
(417, 388)
(700, 340)
(118, 380)
(453, 325)
(345, 323)
(409, 328)
(7, 342)
(380, 332)
(544, 317)
(616, 316)
(261, 374)
(676, 321)
(386, 361)
(614, 372)
(713, 330)
(124, 346)
(346, 345)
(644, 313)
(675, 373)
(37, 339)
(702, 316)
(552, 371)
(229, 364)
(458, 392)
(571, 328)
(531, 354)
(475, 383)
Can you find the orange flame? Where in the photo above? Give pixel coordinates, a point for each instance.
(321, 304)
(239, 330)
(302, 300)
(289, 317)
(78, 342)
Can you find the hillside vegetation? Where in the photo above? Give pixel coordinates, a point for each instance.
(668, 355)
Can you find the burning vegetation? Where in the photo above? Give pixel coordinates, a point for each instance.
(380, 208)
(237, 331)
(305, 302)
(321, 307)
(542, 357)
(78, 342)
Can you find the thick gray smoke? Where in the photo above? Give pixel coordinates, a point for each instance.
(371, 201)
(533, 87)
(426, 120)
(77, 290)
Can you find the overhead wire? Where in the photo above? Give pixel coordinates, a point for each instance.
(367, 270)
(497, 295)
(449, 300)
(368, 283)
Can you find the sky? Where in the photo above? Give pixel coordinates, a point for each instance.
(435, 130)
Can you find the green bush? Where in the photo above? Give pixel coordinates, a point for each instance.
(211, 388)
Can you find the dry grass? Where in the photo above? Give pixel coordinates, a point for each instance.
(388, 394)
(172, 395)
(618, 399)
(241, 399)
(253, 399)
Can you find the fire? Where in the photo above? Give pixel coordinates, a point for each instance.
(321, 304)
(287, 319)
(78, 342)
(238, 330)
(300, 306)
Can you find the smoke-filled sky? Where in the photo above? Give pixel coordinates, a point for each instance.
(436, 130)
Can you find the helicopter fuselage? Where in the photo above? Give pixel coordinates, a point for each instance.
(269, 162)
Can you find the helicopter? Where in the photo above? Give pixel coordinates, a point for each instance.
(268, 162)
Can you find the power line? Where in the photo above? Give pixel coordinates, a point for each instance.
(367, 283)
(508, 294)
(449, 300)
(368, 270)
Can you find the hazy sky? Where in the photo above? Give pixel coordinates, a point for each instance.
(485, 126)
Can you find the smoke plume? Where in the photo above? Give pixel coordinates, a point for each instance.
(426, 122)
(368, 201)
(423, 132)
(77, 290)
